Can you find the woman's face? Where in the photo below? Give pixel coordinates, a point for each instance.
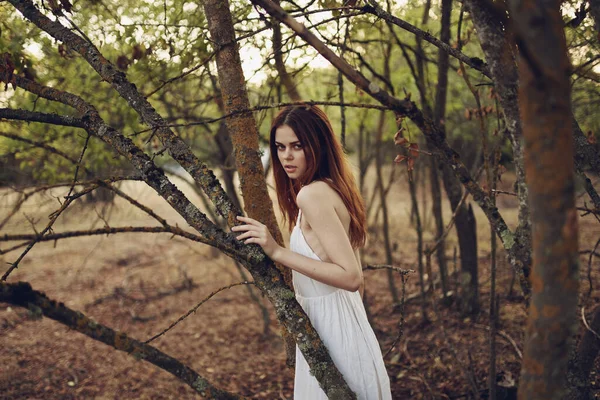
(290, 152)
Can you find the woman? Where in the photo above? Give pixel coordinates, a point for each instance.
(315, 188)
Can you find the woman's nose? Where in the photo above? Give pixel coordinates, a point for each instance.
(288, 154)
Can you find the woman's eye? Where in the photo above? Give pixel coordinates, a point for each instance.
(298, 146)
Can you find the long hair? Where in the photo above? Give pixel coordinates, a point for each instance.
(325, 161)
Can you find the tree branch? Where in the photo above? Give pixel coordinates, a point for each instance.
(21, 294)
(34, 116)
(521, 262)
(474, 62)
(176, 231)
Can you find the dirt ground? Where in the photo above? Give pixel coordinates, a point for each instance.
(140, 283)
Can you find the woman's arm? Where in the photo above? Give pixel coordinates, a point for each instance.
(316, 202)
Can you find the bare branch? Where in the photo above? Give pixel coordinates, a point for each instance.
(401, 271)
(34, 116)
(21, 294)
(107, 230)
(270, 106)
(473, 62)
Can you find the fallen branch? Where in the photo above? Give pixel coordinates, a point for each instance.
(21, 294)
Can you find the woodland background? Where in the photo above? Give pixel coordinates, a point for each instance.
(467, 123)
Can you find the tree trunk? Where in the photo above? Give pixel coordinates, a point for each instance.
(244, 134)
(389, 259)
(439, 113)
(500, 55)
(415, 206)
(284, 76)
(544, 97)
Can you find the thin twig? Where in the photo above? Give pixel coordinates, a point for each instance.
(267, 107)
(193, 310)
(401, 323)
(107, 230)
(383, 266)
(587, 326)
(53, 217)
(505, 336)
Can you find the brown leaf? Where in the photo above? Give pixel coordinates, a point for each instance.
(7, 70)
(410, 164)
(398, 134)
(62, 50)
(137, 53)
(414, 150)
(123, 62)
(401, 141)
(399, 158)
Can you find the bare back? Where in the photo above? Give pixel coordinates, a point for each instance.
(341, 212)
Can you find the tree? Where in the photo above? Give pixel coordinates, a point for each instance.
(544, 96)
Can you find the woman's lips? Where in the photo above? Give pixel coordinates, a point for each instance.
(290, 168)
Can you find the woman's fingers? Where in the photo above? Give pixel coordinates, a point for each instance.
(242, 227)
(248, 234)
(253, 231)
(248, 220)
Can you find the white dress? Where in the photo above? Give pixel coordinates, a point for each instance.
(340, 319)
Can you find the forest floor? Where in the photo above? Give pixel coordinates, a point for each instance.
(140, 283)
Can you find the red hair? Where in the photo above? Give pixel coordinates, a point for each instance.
(325, 161)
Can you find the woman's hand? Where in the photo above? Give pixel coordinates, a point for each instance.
(255, 232)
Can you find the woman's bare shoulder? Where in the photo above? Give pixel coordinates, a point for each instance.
(316, 191)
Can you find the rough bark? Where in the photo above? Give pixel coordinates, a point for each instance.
(544, 97)
(243, 131)
(500, 55)
(520, 262)
(223, 141)
(21, 294)
(241, 125)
